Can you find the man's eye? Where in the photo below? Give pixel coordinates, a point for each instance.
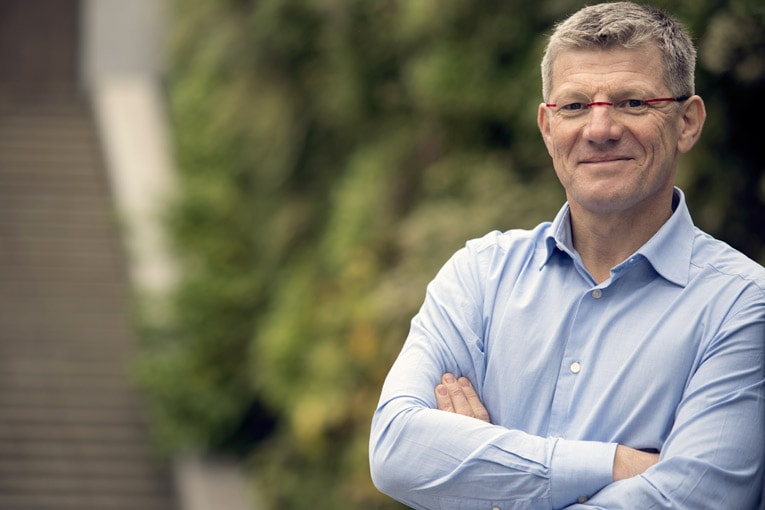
(634, 103)
(573, 107)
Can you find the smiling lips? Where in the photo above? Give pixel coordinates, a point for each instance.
(603, 159)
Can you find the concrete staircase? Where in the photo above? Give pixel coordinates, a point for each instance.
(72, 428)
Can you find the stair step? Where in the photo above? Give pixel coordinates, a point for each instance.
(87, 501)
(73, 431)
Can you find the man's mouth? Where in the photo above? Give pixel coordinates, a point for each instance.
(603, 159)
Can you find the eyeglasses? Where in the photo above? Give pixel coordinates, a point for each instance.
(627, 106)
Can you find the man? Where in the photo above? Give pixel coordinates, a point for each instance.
(612, 358)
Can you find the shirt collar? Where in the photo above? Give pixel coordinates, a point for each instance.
(668, 251)
(559, 234)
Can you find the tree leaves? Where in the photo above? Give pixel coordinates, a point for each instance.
(332, 155)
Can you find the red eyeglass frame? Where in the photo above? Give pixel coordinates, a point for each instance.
(606, 103)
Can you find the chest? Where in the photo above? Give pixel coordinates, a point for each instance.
(599, 363)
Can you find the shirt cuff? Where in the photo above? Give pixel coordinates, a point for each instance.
(579, 469)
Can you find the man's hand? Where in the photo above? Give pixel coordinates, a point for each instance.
(629, 462)
(458, 396)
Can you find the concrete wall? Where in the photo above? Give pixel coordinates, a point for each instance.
(122, 62)
(123, 38)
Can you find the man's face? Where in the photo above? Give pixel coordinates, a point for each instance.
(611, 159)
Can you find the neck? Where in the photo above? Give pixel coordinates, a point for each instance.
(604, 241)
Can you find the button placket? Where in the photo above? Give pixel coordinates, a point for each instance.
(574, 358)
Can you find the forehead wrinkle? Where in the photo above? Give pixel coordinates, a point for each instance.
(609, 72)
(608, 82)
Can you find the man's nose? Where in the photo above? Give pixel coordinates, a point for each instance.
(602, 125)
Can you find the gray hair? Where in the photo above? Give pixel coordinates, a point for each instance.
(626, 25)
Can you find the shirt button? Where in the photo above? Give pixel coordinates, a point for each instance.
(597, 293)
(495, 508)
(582, 499)
(575, 367)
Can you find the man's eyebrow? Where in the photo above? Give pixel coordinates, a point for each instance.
(627, 93)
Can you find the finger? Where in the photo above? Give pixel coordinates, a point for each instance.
(458, 399)
(477, 407)
(443, 401)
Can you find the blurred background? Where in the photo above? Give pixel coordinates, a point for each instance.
(217, 218)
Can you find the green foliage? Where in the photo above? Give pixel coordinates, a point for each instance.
(332, 155)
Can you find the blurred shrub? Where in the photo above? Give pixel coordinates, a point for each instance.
(332, 155)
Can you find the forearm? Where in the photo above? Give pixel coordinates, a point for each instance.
(714, 455)
(680, 485)
(458, 396)
(629, 462)
(428, 458)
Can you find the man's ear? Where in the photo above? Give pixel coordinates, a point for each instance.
(543, 121)
(691, 122)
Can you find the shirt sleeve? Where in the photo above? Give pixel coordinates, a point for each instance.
(713, 457)
(430, 459)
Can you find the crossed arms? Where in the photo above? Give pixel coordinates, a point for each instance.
(445, 453)
(458, 396)
(701, 407)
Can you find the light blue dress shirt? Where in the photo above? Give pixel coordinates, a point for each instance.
(666, 355)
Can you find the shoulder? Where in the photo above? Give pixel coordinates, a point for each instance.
(515, 240)
(717, 259)
(498, 254)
